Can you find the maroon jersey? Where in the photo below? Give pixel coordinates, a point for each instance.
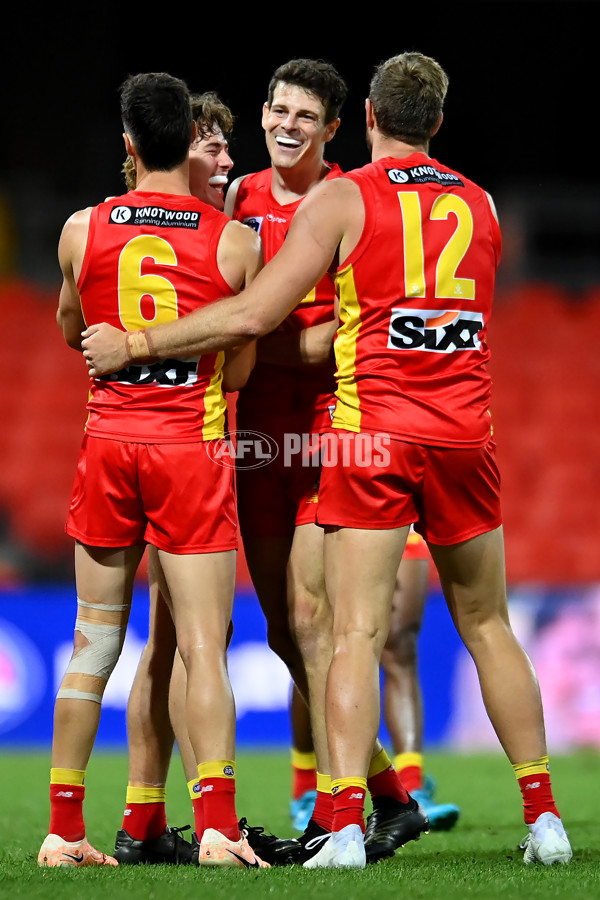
(415, 302)
(151, 258)
(276, 391)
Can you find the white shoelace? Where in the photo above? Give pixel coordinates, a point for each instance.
(314, 842)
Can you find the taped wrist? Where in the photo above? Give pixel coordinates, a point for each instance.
(139, 347)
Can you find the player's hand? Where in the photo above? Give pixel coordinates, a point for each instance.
(104, 349)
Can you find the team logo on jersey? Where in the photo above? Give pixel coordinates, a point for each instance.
(423, 175)
(254, 222)
(158, 216)
(434, 330)
(120, 214)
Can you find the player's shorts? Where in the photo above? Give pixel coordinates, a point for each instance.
(276, 497)
(174, 496)
(450, 494)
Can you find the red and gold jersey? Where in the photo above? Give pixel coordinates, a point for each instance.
(273, 391)
(415, 301)
(151, 258)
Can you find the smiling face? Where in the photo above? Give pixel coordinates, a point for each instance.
(210, 165)
(295, 128)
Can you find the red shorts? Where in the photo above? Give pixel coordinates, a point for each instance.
(450, 494)
(276, 497)
(174, 496)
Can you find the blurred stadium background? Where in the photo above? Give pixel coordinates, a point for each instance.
(511, 115)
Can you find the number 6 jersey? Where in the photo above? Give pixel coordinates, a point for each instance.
(415, 301)
(152, 258)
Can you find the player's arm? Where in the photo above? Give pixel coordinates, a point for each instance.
(239, 362)
(240, 259)
(332, 216)
(69, 316)
(312, 346)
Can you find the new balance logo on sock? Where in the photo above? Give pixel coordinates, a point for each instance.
(534, 784)
(65, 794)
(356, 797)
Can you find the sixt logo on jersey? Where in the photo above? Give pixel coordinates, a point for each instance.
(434, 330)
(154, 215)
(167, 373)
(423, 175)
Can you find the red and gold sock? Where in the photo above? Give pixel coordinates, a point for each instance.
(66, 803)
(195, 790)
(217, 780)
(536, 788)
(323, 811)
(349, 802)
(304, 773)
(409, 767)
(145, 816)
(384, 781)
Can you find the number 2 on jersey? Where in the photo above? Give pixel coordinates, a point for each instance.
(134, 285)
(447, 285)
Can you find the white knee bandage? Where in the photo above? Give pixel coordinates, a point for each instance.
(100, 656)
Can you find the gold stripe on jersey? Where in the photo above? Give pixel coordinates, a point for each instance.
(215, 405)
(347, 411)
(310, 297)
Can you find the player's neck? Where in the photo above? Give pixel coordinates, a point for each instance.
(289, 185)
(174, 182)
(383, 146)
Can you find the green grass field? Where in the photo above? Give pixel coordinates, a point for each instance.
(478, 858)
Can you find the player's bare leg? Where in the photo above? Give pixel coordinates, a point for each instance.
(473, 580)
(300, 723)
(402, 699)
(267, 560)
(144, 836)
(177, 710)
(303, 762)
(104, 578)
(312, 622)
(178, 714)
(201, 624)
(361, 567)
(150, 734)
(311, 617)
